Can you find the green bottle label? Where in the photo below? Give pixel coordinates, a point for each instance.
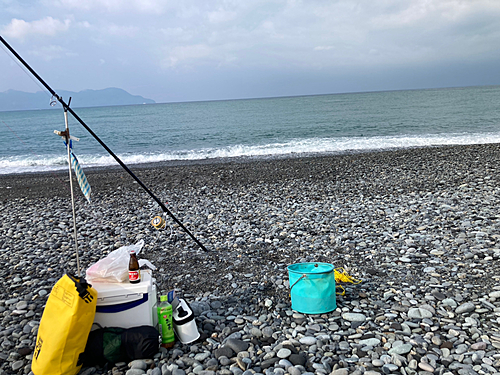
(165, 324)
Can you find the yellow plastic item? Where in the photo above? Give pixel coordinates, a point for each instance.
(158, 222)
(65, 327)
(341, 276)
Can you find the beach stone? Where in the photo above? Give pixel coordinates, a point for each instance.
(224, 361)
(285, 363)
(269, 362)
(340, 371)
(401, 349)
(495, 294)
(202, 356)
(225, 351)
(426, 367)
(479, 346)
(389, 367)
(237, 345)
(267, 332)
(256, 332)
(370, 342)
(138, 364)
(284, 353)
(419, 313)
(21, 305)
(308, 340)
(449, 302)
(297, 359)
(465, 308)
(438, 295)
(461, 348)
(135, 371)
(17, 365)
(354, 317)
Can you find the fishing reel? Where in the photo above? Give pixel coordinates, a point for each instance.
(158, 223)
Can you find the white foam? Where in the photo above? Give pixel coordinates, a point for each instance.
(23, 164)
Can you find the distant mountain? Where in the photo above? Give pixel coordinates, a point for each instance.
(12, 100)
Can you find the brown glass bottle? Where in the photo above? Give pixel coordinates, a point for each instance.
(134, 273)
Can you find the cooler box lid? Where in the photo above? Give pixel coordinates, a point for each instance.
(115, 293)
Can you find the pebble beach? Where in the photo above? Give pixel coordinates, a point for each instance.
(420, 227)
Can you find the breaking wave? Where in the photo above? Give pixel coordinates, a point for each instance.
(296, 147)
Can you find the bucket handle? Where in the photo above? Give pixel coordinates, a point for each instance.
(301, 277)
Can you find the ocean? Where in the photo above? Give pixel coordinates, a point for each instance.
(255, 128)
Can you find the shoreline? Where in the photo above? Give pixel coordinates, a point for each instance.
(44, 184)
(242, 159)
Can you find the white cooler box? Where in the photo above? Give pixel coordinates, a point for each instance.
(125, 304)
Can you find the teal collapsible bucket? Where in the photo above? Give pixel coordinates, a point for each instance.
(312, 287)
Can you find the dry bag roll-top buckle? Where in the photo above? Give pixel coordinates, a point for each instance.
(82, 288)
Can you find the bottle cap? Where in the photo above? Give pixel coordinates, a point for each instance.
(163, 298)
(132, 251)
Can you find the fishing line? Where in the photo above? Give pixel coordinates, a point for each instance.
(158, 222)
(66, 107)
(44, 90)
(63, 183)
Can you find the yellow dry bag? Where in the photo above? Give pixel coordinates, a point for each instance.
(65, 327)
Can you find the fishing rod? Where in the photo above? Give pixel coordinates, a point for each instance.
(67, 108)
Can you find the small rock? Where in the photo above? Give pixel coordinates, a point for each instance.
(426, 367)
(340, 371)
(308, 340)
(284, 353)
(354, 317)
(465, 308)
(479, 346)
(237, 345)
(400, 349)
(138, 364)
(135, 371)
(418, 313)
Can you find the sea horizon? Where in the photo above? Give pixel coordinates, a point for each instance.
(286, 126)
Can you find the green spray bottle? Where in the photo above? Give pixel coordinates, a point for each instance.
(165, 322)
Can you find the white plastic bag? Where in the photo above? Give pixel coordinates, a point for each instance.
(114, 268)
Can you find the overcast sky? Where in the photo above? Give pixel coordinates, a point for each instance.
(171, 50)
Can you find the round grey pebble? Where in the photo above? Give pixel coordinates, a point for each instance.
(284, 353)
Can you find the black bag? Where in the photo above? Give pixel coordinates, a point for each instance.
(114, 344)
